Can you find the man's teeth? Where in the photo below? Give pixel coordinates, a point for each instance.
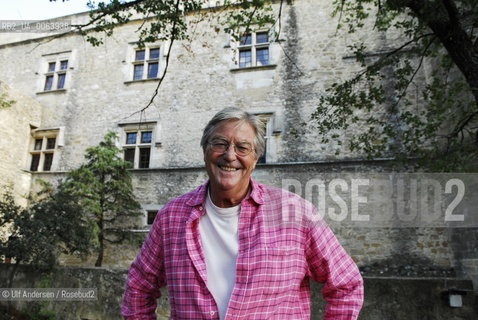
(228, 168)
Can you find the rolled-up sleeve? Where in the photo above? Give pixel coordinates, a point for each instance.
(330, 264)
(146, 276)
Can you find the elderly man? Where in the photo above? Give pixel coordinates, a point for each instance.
(225, 250)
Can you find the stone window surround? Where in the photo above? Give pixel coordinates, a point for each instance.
(274, 127)
(253, 47)
(139, 126)
(131, 61)
(44, 133)
(57, 58)
(231, 43)
(154, 208)
(236, 47)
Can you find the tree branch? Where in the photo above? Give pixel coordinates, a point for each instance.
(451, 34)
(156, 91)
(460, 126)
(452, 11)
(391, 53)
(107, 12)
(279, 19)
(400, 96)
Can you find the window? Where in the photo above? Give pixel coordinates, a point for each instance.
(43, 150)
(48, 161)
(50, 143)
(253, 50)
(55, 76)
(146, 63)
(139, 139)
(38, 143)
(146, 136)
(137, 148)
(48, 83)
(273, 122)
(150, 215)
(265, 158)
(131, 137)
(35, 162)
(150, 212)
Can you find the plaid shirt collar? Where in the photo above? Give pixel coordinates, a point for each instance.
(199, 196)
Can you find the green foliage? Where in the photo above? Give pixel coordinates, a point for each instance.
(8, 207)
(165, 20)
(51, 225)
(72, 217)
(246, 15)
(103, 188)
(4, 102)
(409, 112)
(38, 311)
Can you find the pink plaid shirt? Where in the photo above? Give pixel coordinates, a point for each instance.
(281, 247)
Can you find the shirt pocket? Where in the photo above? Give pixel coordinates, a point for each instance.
(282, 270)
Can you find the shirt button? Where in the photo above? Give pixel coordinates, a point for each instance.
(212, 313)
(200, 209)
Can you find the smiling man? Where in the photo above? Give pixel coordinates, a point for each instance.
(226, 251)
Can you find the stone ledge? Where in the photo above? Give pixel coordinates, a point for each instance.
(254, 68)
(52, 91)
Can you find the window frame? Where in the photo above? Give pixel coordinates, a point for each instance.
(267, 119)
(274, 122)
(43, 155)
(150, 212)
(253, 47)
(56, 78)
(138, 147)
(145, 63)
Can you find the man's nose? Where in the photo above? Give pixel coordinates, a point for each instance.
(230, 153)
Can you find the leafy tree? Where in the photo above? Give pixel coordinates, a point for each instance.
(408, 115)
(437, 121)
(53, 224)
(103, 188)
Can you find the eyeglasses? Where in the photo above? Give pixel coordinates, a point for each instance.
(241, 149)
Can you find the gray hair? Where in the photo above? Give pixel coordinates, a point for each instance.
(232, 113)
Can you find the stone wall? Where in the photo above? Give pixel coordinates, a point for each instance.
(385, 298)
(16, 122)
(377, 248)
(202, 78)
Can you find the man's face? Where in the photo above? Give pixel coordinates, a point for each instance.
(227, 171)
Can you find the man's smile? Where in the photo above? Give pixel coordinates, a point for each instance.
(226, 168)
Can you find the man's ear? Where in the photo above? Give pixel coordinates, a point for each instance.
(255, 162)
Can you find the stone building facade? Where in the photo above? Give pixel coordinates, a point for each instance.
(18, 118)
(72, 94)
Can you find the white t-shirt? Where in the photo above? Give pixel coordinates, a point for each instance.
(218, 232)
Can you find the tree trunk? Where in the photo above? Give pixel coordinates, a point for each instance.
(461, 49)
(99, 259)
(11, 276)
(13, 271)
(442, 17)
